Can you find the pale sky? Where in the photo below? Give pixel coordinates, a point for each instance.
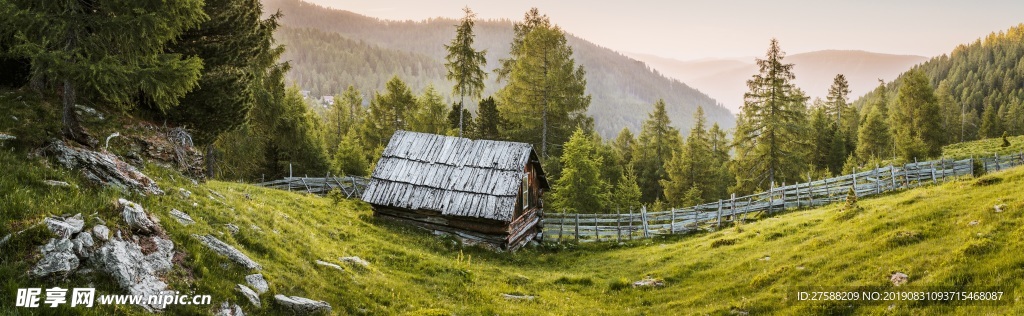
(689, 30)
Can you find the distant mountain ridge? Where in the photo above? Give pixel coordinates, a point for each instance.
(623, 89)
(725, 79)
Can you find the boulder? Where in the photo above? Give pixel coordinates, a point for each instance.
(54, 183)
(228, 251)
(899, 278)
(649, 282)
(134, 271)
(103, 168)
(355, 261)
(232, 228)
(65, 227)
(328, 264)
(302, 305)
(136, 217)
(101, 232)
(83, 245)
(249, 294)
(258, 282)
(58, 257)
(182, 218)
(227, 309)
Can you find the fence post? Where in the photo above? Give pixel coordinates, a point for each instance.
(618, 227)
(828, 192)
(892, 176)
(783, 196)
(577, 227)
(630, 228)
(597, 230)
(732, 204)
(672, 222)
(878, 181)
(719, 225)
(643, 217)
(998, 167)
(855, 182)
(933, 171)
(771, 198)
(561, 222)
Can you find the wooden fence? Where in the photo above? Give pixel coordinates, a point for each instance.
(642, 224)
(351, 187)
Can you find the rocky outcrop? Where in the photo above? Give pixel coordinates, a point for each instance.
(182, 218)
(356, 261)
(249, 294)
(83, 245)
(649, 282)
(228, 251)
(101, 232)
(136, 217)
(258, 282)
(65, 227)
(302, 305)
(227, 309)
(134, 271)
(103, 168)
(58, 258)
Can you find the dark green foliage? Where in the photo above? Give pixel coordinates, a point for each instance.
(873, 138)
(465, 64)
(389, 111)
(580, 188)
(344, 116)
(991, 123)
(770, 143)
(455, 114)
(545, 98)
(657, 142)
(626, 194)
(104, 51)
(693, 171)
(430, 113)
(1006, 142)
(350, 157)
(916, 121)
(237, 50)
(488, 120)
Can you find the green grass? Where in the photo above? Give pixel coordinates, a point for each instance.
(755, 268)
(984, 147)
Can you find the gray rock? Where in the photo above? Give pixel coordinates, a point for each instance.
(4, 137)
(249, 294)
(103, 168)
(58, 257)
(328, 264)
(228, 251)
(899, 278)
(185, 193)
(227, 309)
(83, 245)
(999, 207)
(5, 239)
(65, 227)
(512, 297)
(54, 183)
(302, 305)
(135, 272)
(355, 261)
(136, 217)
(258, 282)
(182, 218)
(649, 282)
(232, 228)
(101, 232)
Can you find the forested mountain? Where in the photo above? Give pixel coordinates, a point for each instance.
(724, 79)
(331, 49)
(979, 86)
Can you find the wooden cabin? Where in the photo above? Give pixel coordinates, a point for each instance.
(481, 191)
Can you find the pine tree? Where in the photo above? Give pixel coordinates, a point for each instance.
(846, 117)
(488, 120)
(105, 51)
(457, 113)
(951, 113)
(389, 112)
(465, 64)
(770, 133)
(691, 168)
(991, 123)
(430, 113)
(822, 135)
(580, 189)
(545, 98)
(916, 121)
(623, 145)
(237, 49)
(626, 195)
(655, 146)
(723, 177)
(350, 157)
(342, 116)
(838, 95)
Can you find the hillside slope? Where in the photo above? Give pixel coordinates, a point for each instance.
(947, 236)
(725, 79)
(623, 89)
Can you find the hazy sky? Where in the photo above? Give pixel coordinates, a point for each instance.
(723, 29)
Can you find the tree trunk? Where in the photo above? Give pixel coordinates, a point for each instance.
(71, 127)
(461, 102)
(211, 161)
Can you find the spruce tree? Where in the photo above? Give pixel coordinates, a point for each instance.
(626, 194)
(105, 51)
(580, 188)
(873, 137)
(389, 112)
(623, 145)
(723, 177)
(430, 113)
(770, 133)
(465, 64)
(488, 120)
(916, 121)
(545, 98)
(655, 146)
(342, 116)
(991, 123)
(691, 168)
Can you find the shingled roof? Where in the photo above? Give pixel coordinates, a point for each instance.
(452, 175)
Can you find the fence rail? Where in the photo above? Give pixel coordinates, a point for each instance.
(351, 187)
(643, 224)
